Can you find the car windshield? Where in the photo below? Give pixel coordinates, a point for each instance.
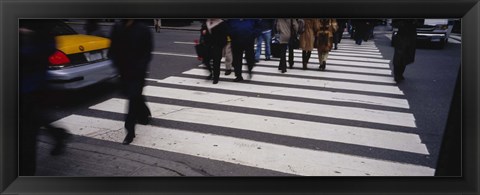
(53, 27)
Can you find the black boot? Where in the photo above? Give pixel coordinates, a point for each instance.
(323, 65)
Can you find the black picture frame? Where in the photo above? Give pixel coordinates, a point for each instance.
(467, 10)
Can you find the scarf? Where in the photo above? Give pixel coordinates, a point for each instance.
(211, 23)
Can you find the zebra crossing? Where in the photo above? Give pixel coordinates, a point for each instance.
(351, 120)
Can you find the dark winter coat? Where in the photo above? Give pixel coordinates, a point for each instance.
(243, 30)
(131, 49)
(217, 36)
(405, 41)
(35, 46)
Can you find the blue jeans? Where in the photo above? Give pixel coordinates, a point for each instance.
(267, 37)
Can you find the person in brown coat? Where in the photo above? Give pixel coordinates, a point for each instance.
(307, 39)
(284, 27)
(326, 28)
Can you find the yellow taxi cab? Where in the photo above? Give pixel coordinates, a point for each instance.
(79, 61)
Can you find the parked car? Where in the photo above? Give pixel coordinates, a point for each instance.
(80, 60)
(432, 32)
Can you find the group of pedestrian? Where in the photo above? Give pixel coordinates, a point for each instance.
(240, 35)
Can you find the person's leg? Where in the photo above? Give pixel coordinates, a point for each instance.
(304, 59)
(217, 57)
(207, 61)
(267, 37)
(28, 136)
(228, 58)
(324, 60)
(134, 91)
(258, 51)
(237, 54)
(290, 56)
(250, 56)
(283, 58)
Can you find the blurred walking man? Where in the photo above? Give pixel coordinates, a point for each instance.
(131, 53)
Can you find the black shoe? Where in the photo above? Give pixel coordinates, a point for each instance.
(128, 139)
(209, 77)
(268, 58)
(61, 136)
(228, 72)
(215, 81)
(322, 66)
(238, 79)
(257, 60)
(284, 70)
(290, 66)
(398, 79)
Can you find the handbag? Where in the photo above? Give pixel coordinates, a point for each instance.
(275, 46)
(200, 46)
(294, 41)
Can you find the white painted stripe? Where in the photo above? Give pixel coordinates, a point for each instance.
(356, 52)
(290, 92)
(453, 41)
(280, 126)
(333, 68)
(339, 112)
(353, 55)
(346, 62)
(186, 43)
(339, 51)
(336, 57)
(315, 83)
(174, 54)
(333, 75)
(246, 152)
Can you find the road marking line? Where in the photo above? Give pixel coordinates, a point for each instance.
(246, 152)
(280, 126)
(332, 67)
(186, 43)
(290, 92)
(330, 111)
(326, 84)
(335, 75)
(174, 54)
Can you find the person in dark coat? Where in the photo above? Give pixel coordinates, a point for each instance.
(243, 33)
(337, 36)
(405, 43)
(361, 30)
(36, 44)
(215, 37)
(130, 51)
